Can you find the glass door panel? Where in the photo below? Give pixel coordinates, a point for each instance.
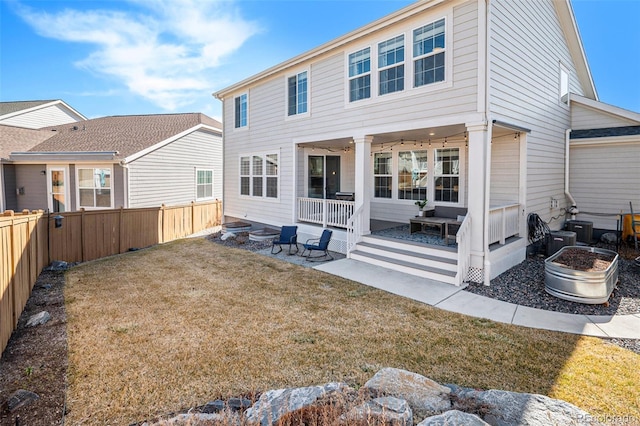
(316, 176)
(333, 176)
(58, 190)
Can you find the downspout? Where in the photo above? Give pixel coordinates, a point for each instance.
(573, 210)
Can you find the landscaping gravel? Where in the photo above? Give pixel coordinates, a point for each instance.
(524, 285)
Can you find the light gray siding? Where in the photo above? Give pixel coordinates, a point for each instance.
(603, 179)
(29, 177)
(583, 117)
(48, 116)
(168, 174)
(527, 47)
(332, 117)
(505, 171)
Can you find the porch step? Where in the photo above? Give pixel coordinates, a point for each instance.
(438, 264)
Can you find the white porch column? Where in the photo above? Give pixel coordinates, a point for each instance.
(478, 193)
(363, 180)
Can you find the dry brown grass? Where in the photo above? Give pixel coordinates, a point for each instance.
(171, 327)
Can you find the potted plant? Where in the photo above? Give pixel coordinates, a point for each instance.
(421, 204)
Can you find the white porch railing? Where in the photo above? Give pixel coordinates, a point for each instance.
(354, 230)
(504, 222)
(463, 239)
(325, 212)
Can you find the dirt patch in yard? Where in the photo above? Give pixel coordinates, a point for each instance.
(36, 358)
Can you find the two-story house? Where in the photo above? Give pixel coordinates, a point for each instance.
(464, 103)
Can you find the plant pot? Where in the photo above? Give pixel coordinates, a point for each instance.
(420, 213)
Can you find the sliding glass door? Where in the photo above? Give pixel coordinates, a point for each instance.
(324, 176)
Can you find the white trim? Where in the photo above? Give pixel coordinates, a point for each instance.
(167, 141)
(111, 186)
(67, 177)
(233, 105)
(263, 155)
(564, 74)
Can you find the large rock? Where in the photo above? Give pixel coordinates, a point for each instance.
(505, 408)
(274, 404)
(423, 394)
(38, 319)
(387, 411)
(453, 417)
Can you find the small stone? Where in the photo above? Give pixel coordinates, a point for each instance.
(609, 238)
(213, 406)
(227, 235)
(39, 319)
(20, 398)
(239, 403)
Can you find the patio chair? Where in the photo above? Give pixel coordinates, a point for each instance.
(318, 244)
(288, 236)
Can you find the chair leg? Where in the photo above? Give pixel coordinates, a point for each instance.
(276, 252)
(293, 252)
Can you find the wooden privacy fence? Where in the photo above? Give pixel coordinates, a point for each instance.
(30, 241)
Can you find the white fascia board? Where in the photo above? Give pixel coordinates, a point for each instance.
(73, 156)
(377, 25)
(601, 106)
(174, 138)
(605, 140)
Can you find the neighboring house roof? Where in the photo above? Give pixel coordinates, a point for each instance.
(20, 139)
(9, 109)
(122, 136)
(563, 8)
(606, 132)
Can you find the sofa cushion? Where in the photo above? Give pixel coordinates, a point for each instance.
(449, 212)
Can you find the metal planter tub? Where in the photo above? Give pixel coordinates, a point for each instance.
(591, 286)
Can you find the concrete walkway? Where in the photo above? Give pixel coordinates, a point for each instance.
(454, 299)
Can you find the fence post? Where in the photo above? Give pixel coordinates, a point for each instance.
(193, 217)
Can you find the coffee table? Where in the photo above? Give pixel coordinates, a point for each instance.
(442, 223)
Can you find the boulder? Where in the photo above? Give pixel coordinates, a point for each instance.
(504, 408)
(274, 404)
(453, 417)
(18, 399)
(385, 411)
(423, 394)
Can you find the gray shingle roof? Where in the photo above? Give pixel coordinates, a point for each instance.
(127, 134)
(14, 139)
(10, 107)
(605, 132)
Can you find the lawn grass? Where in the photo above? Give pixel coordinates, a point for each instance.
(175, 326)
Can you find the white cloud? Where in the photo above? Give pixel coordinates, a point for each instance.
(162, 50)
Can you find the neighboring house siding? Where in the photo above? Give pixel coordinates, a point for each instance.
(9, 183)
(118, 186)
(167, 175)
(587, 118)
(269, 131)
(29, 177)
(603, 179)
(527, 48)
(49, 116)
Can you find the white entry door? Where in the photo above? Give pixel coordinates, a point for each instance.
(58, 188)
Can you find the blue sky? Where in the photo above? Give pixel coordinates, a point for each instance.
(155, 56)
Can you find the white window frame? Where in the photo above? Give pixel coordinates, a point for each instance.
(79, 167)
(246, 118)
(363, 74)
(198, 170)
(398, 64)
(67, 191)
(297, 113)
(409, 61)
(265, 176)
(437, 175)
(433, 53)
(388, 175)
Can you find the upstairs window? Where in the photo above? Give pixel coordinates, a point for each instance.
(429, 53)
(241, 111)
(360, 75)
(297, 94)
(391, 65)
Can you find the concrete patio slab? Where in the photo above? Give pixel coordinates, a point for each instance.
(479, 306)
(420, 289)
(556, 321)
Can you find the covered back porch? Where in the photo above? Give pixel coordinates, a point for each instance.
(345, 183)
